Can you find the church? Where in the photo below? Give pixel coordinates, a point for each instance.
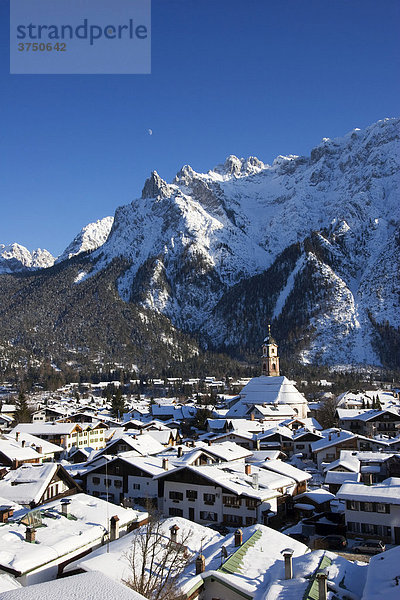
(270, 390)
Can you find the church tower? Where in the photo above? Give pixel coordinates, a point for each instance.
(270, 358)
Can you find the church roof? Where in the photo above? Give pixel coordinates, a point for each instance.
(266, 390)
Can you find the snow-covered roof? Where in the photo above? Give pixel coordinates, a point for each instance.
(279, 466)
(266, 390)
(34, 441)
(28, 483)
(232, 477)
(144, 443)
(61, 536)
(319, 496)
(388, 491)
(348, 460)
(227, 451)
(253, 576)
(340, 477)
(13, 450)
(84, 586)
(331, 438)
(383, 576)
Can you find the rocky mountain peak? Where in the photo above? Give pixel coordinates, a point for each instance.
(155, 187)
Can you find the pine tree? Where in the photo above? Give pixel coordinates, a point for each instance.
(23, 413)
(117, 404)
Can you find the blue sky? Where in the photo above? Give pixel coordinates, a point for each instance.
(256, 77)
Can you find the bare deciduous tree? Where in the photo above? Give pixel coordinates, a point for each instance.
(157, 560)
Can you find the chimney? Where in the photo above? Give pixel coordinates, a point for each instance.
(23, 443)
(180, 451)
(254, 481)
(288, 557)
(65, 502)
(174, 530)
(258, 445)
(329, 437)
(30, 535)
(247, 469)
(252, 417)
(17, 436)
(114, 528)
(238, 537)
(200, 564)
(39, 449)
(165, 464)
(322, 585)
(209, 442)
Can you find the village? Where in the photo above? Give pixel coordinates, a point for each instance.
(247, 497)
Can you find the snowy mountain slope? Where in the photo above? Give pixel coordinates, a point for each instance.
(190, 241)
(16, 258)
(89, 238)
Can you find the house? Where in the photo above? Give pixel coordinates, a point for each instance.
(143, 444)
(47, 414)
(373, 510)
(13, 453)
(370, 422)
(128, 478)
(33, 484)
(48, 450)
(231, 493)
(303, 440)
(238, 566)
(328, 448)
(37, 545)
(319, 500)
(67, 435)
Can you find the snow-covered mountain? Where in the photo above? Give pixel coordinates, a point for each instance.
(310, 244)
(190, 241)
(16, 258)
(89, 238)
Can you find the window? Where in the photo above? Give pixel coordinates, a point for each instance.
(107, 482)
(96, 480)
(175, 495)
(175, 512)
(209, 498)
(117, 483)
(251, 521)
(231, 501)
(353, 527)
(382, 508)
(233, 519)
(367, 506)
(251, 502)
(300, 446)
(352, 505)
(191, 494)
(136, 486)
(208, 516)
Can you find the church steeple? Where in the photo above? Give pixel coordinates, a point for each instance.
(270, 358)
